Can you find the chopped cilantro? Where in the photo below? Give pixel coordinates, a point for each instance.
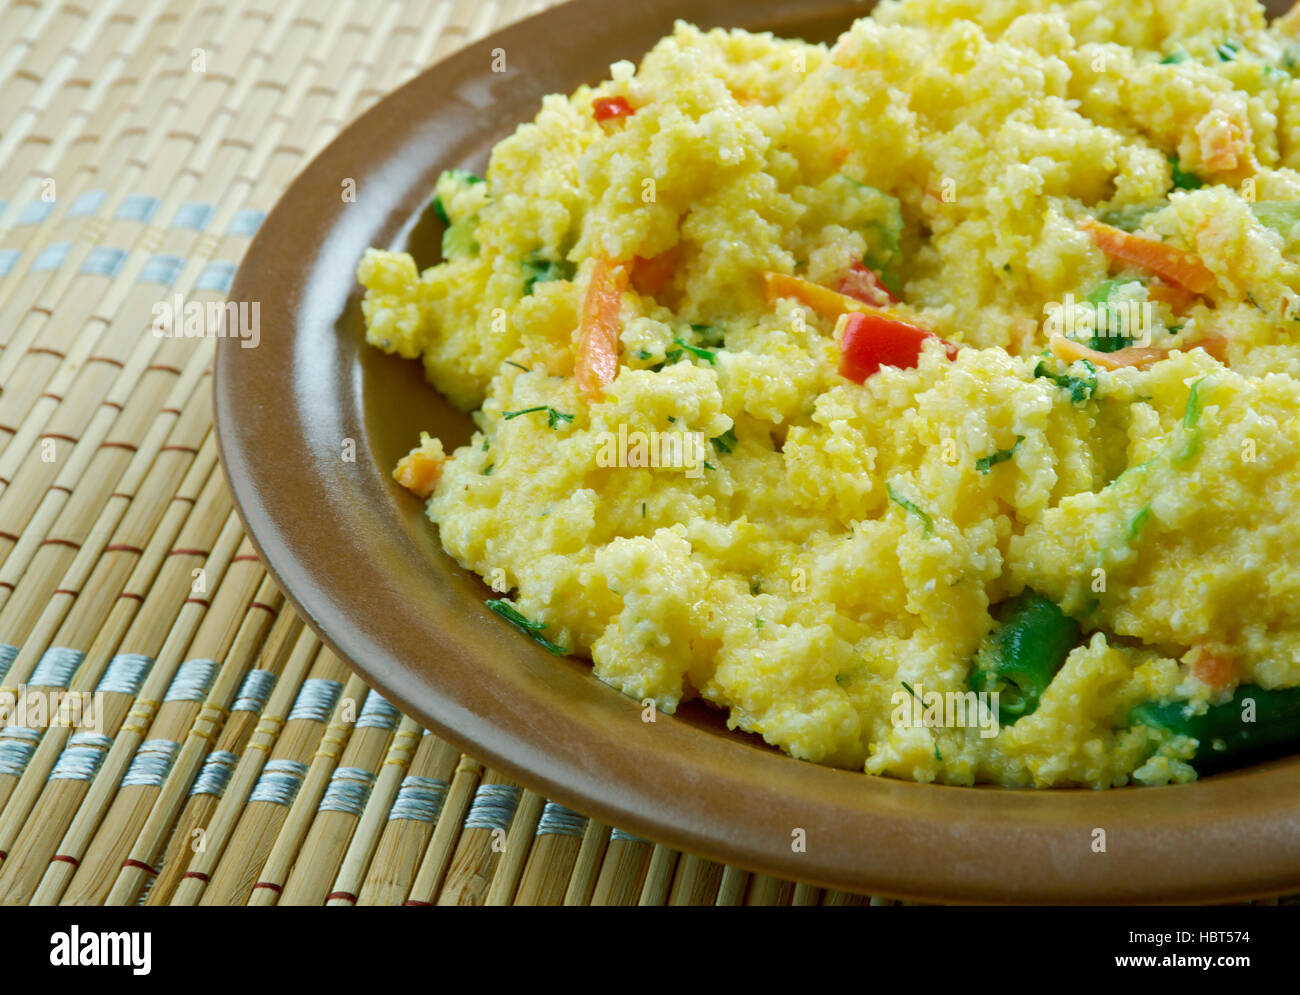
(1080, 388)
(986, 463)
(517, 366)
(538, 269)
(755, 585)
(725, 442)
(1183, 180)
(908, 506)
(1227, 52)
(1192, 413)
(553, 417)
(1175, 57)
(758, 622)
(530, 628)
(487, 470)
(693, 350)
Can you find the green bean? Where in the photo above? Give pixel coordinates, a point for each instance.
(1024, 653)
(1251, 723)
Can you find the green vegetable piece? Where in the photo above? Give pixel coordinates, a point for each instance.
(1024, 653)
(458, 239)
(725, 442)
(1183, 180)
(1175, 57)
(1080, 388)
(911, 508)
(450, 176)
(986, 463)
(1130, 216)
(1280, 215)
(693, 350)
(553, 417)
(1138, 521)
(1227, 52)
(1224, 734)
(538, 269)
(528, 627)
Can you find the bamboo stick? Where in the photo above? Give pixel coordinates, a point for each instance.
(433, 869)
(365, 840)
(141, 865)
(411, 820)
(225, 822)
(586, 869)
(696, 881)
(554, 854)
(623, 869)
(481, 843)
(518, 845)
(658, 876)
(732, 887)
(310, 724)
(190, 836)
(312, 860)
(766, 890)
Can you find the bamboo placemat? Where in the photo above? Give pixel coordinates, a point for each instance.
(236, 759)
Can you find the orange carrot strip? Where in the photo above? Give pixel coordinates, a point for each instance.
(1175, 265)
(828, 303)
(419, 473)
(1179, 299)
(1069, 351)
(597, 362)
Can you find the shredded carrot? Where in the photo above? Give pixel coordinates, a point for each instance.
(1069, 351)
(1179, 299)
(650, 276)
(1174, 265)
(419, 472)
(828, 303)
(611, 108)
(1213, 666)
(597, 362)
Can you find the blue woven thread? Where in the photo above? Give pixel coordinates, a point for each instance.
(419, 799)
(7, 655)
(246, 222)
(348, 790)
(125, 674)
(87, 203)
(557, 820)
(625, 836)
(493, 807)
(254, 691)
(162, 267)
(377, 713)
(51, 257)
(56, 668)
(279, 782)
(104, 260)
(193, 680)
(81, 759)
(17, 745)
(152, 763)
(316, 700)
(8, 260)
(137, 207)
(34, 212)
(215, 773)
(217, 275)
(193, 214)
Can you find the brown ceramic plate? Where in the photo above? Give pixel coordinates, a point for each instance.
(357, 558)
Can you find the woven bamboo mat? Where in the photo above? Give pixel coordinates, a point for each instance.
(232, 758)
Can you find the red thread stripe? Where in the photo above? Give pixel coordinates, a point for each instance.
(267, 884)
(122, 547)
(268, 608)
(197, 601)
(345, 895)
(178, 449)
(182, 551)
(137, 864)
(61, 542)
(66, 859)
(197, 874)
(412, 901)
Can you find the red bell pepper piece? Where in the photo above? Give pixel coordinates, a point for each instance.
(870, 341)
(608, 108)
(863, 285)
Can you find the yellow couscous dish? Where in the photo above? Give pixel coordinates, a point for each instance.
(930, 402)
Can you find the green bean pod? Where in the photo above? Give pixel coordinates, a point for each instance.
(1024, 653)
(1223, 736)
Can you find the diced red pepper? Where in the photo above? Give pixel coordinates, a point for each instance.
(863, 285)
(870, 341)
(608, 108)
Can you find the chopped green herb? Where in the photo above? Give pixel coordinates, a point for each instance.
(1080, 388)
(1175, 57)
(758, 622)
(643, 509)
(1130, 216)
(725, 442)
(485, 445)
(909, 689)
(553, 417)
(908, 506)
(755, 585)
(642, 354)
(937, 755)
(1183, 180)
(1227, 52)
(538, 269)
(986, 463)
(517, 366)
(487, 470)
(1192, 413)
(1138, 520)
(693, 350)
(709, 335)
(1251, 297)
(453, 176)
(709, 466)
(530, 628)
